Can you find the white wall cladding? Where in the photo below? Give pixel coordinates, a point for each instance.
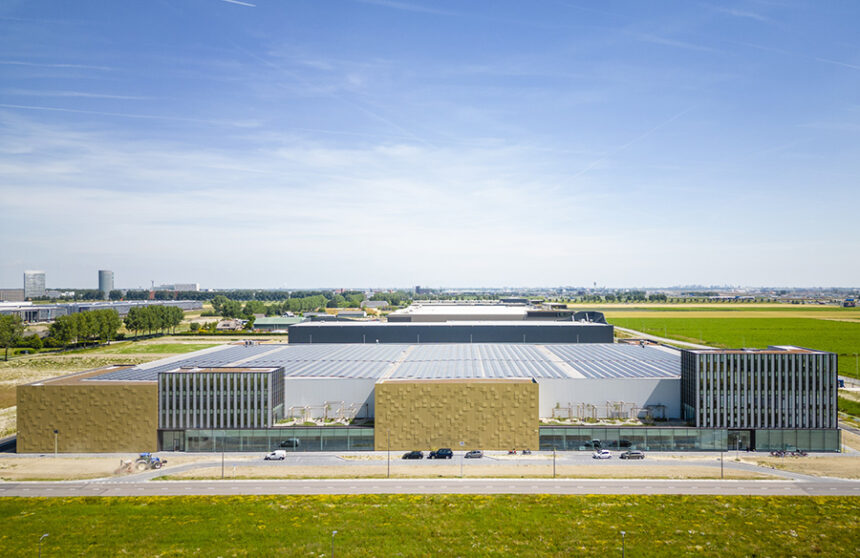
(639, 393)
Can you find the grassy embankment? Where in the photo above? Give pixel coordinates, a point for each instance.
(829, 329)
(443, 525)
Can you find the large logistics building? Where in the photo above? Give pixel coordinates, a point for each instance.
(411, 396)
(480, 311)
(451, 332)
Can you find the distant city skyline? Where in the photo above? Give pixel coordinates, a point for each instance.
(371, 142)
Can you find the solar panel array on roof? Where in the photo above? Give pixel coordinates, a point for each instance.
(596, 360)
(202, 359)
(619, 361)
(333, 361)
(476, 361)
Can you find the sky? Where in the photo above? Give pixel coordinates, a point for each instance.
(378, 143)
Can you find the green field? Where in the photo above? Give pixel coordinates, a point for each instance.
(849, 406)
(445, 525)
(160, 348)
(841, 337)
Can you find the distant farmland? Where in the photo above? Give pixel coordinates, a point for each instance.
(748, 329)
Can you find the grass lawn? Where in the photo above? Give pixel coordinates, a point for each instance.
(160, 348)
(849, 406)
(444, 525)
(841, 337)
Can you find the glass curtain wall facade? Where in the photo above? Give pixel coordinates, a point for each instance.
(572, 438)
(220, 398)
(561, 438)
(301, 438)
(768, 389)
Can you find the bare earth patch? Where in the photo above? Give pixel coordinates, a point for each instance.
(843, 466)
(471, 471)
(48, 467)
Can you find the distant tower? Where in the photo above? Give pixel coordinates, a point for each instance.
(105, 282)
(34, 284)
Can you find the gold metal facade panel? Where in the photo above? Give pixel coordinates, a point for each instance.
(430, 415)
(98, 418)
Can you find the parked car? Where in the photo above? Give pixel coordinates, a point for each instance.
(290, 443)
(632, 454)
(474, 454)
(413, 455)
(441, 453)
(277, 455)
(601, 454)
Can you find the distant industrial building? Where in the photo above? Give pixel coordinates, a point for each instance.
(178, 287)
(11, 295)
(479, 311)
(276, 323)
(375, 304)
(450, 332)
(105, 283)
(34, 284)
(29, 312)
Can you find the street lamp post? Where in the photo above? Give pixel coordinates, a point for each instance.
(222, 458)
(622, 543)
(388, 447)
(721, 465)
(553, 462)
(333, 533)
(40, 544)
(56, 437)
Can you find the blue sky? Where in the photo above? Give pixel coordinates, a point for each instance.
(386, 143)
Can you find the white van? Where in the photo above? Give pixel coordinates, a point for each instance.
(277, 455)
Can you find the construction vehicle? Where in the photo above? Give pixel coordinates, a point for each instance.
(148, 461)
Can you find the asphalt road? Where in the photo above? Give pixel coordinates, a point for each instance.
(432, 486)
(643, 335)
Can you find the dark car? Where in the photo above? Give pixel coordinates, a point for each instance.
(441, 453)
(413, 455)
(632, 454)
(474, 454)
(290, 443)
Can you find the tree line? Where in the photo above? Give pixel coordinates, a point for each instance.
(153, 319)
(232, 308)
(83, 327)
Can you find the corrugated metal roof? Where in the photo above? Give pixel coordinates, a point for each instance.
(436, 361)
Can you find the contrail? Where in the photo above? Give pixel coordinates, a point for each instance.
(73, 66)
(119, 114)
(240, 3)
(631, 142)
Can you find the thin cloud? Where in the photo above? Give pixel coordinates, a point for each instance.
(44, 65)
(117, 114)
(663, 41)
(82, 94)
(406, 7)
(799, 55)
(637, 139)
(240, 3)
(741, 13)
